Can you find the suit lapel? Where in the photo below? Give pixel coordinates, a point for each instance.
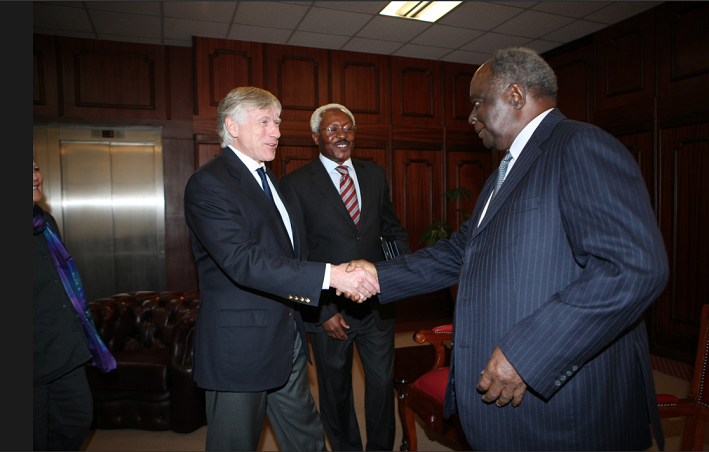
(252, 189)
(368, 195)
(527, 157)
(321, 179)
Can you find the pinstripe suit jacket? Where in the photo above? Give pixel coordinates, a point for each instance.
(558, 275)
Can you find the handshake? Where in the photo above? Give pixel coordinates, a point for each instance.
(357, 280)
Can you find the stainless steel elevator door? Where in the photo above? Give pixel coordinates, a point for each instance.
(113, 211)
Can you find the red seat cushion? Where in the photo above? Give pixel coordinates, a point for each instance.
(434, 383)
(666, 399)
(444, 329)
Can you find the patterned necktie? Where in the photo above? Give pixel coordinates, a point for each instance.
(348, 193)
(501, 172)
(266, 187)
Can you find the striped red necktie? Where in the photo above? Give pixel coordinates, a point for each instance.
(349, 193)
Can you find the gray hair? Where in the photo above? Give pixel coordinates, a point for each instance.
(526, 68)
(236, 105)
(317, 115)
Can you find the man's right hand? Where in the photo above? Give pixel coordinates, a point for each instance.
(352, 266)
(356, 281)
(333, 327)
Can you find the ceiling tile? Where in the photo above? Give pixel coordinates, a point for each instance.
(324, 41)
(270, 14)
(371, 46)
(359, 7)
(619, 11)
(60, 17)
(333, 22)
(67, 33)
(518, 4)
(124, 38)
(479, 15)
(259, 34)
(184, 29)
(148, 8)
(177, 43)
(210, 11)
(461, 56)
(571, 9)
(425, 52)
(533, 24)
(542, 46)
(489, 42)
(574, 30)
(445, 36)
(112, 23)
(393, 29)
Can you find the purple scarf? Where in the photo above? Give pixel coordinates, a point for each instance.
(69, 274)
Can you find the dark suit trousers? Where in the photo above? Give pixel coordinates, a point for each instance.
(333, 361)
(63, 411)
(235, 419)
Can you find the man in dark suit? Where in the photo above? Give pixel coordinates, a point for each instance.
(555, 269)
(250, 346)
(331, 233)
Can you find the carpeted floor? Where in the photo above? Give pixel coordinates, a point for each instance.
(670, 378)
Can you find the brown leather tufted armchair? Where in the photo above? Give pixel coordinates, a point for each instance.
(151, 336)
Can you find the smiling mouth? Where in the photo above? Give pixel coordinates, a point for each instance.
(479, 131)
(342, 144)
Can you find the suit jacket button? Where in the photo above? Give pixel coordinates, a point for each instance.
(557, 383)
(302, 299)
(307, 300)
(290, 314)
(290, 297)
(359, 238)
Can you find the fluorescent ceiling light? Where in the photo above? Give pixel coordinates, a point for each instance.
(426, 11)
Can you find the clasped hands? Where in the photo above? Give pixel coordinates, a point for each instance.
(359, 267)
(356, 280)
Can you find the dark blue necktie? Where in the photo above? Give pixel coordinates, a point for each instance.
(269, 195)
(266, 187)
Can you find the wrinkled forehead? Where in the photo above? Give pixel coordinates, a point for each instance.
(257, 113)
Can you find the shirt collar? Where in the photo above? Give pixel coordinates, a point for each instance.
(250, 163)
(521, 141)
(330, 165)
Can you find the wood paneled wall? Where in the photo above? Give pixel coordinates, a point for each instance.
(643, 79)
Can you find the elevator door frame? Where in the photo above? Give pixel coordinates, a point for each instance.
(47, 139)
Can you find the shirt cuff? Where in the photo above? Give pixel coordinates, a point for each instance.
(326, 281)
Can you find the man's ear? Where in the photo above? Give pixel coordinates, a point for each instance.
(232, 126)
(316, 138)
(518, 96)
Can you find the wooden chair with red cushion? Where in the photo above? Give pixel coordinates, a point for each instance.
(696, 405)
(424, 396)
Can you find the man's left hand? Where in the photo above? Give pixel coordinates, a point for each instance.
(500, 381)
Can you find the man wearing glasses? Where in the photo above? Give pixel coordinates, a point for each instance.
(341, 207)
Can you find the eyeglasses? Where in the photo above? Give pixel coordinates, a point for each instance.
(333, 130)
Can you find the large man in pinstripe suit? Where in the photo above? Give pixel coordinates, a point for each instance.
(554, 272)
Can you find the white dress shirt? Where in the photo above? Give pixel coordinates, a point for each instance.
(516, 149)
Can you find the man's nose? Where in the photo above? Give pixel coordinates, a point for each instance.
(472, 119)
